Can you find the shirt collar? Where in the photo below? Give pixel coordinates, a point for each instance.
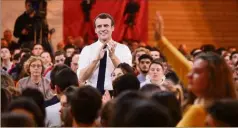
(100, 43)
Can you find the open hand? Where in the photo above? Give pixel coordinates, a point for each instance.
(158, 25)
(112, 48)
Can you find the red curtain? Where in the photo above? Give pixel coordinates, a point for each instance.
(75, 26)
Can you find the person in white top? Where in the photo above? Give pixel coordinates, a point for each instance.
(6, 59)
(90, 57)
(156, 75)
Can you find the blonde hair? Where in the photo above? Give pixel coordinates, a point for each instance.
(32, 59)
(140, 49)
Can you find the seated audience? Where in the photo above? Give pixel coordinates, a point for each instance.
(34, 67)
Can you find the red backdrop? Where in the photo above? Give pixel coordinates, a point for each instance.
(75, 26)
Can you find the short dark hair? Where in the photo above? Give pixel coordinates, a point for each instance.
(85, 105)
(146, 113)
(16, 120)
(65, 78)
(225, 111)
(148, 89)
(69, 91)
(173, 77)
(145, 56)
(233, 53)
(68, 46)
(5, 99)
(126, 68)
(54, 72)
(169, 100)
(36, 96)
(104, 16)
(125, 82)
(58, 53)
(28, 105)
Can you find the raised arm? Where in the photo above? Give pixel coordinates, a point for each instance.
(175, 58)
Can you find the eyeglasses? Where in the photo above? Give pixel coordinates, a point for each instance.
(36, 65)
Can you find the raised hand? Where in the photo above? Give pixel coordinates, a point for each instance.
(158, 25)
(101, 52)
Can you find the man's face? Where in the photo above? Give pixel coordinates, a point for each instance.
(5, 54)
(37, 50)
(104, 29)
(59, 59)
(144, 65)
(69, 52)
(74, 63)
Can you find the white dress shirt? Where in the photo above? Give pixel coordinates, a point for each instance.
(90, 53)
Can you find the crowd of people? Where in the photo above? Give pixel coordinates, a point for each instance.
(113, 84)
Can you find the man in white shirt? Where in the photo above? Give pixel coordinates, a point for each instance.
(92, 57)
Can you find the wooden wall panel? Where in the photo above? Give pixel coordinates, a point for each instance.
(197, 22)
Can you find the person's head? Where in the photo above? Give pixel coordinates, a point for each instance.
(6, 80)
(54, 73)
(234, 57)
(222, 113)
(65, 101)
(106, 113)
(37, 97)
(60, 46)
(85, 105)
(29, 108)
(25, 51)
(5, 53)
(208, 48)
(7, 35)
(227, 57)
(172, 77)
(169, 100)
(221, 51)
(59, 57)
(46, 58)
(195, 52)
(124, 83)
(144, 63)
(34, 66)
(133, 109)
(183, 49)
(121, 69)
(138, 52)
(65, 78)
(104, 26)
(231, 49)
(149, 89)
(69, 50)
(210, 77)
(156, 71)
(37, 49)
(155, 54)
(16, 120)
(134, 45)
(4, 43)
(74, 63)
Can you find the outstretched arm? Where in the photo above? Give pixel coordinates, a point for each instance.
(175, 58)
